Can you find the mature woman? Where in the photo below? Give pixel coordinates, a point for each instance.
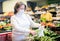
(21, 23)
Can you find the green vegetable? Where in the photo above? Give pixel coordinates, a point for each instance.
(43, 19)
(58, 24)
(48, 35)
(8, 28)
(2, 23)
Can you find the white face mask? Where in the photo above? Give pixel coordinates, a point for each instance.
(21, 11)
(29, 12)
(44, 12)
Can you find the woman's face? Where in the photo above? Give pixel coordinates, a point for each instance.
(22, 7)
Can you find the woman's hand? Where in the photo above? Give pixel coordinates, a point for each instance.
(43, 23)
(32, 32)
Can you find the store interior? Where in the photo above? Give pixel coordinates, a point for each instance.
(35, 9)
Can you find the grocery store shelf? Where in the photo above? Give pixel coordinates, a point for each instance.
(56, 18)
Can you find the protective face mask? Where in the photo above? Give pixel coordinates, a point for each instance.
(20, 12)
(44, 12)
(30, 12)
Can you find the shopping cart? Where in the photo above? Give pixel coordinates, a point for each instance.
(2, 36)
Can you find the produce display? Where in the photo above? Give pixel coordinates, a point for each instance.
(48, 36)
(5, 25)
(57, 24)
(47, 23)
